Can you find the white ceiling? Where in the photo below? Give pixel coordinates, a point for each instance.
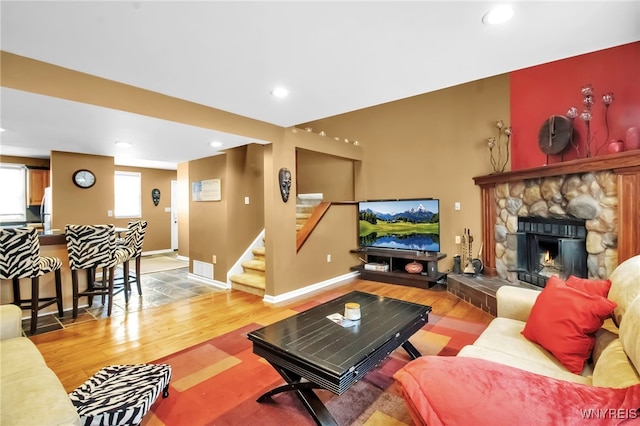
(334, 57)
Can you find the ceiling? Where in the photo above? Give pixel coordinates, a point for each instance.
(333, 57)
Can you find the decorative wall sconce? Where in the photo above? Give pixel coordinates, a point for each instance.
(501, 146)
(155, 196)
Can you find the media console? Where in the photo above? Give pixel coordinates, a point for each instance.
(397, 260)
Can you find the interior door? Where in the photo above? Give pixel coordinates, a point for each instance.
(174, 215)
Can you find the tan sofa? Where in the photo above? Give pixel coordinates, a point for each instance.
(30, 392)
(615, 358)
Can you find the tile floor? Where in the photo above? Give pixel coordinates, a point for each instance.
(158, 288)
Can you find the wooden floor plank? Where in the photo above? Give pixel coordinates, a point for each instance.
(77, 352)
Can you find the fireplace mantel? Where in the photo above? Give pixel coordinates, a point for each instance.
(626, 166)
(616, 162)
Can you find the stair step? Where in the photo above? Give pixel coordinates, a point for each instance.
(249, 283)
(305, 208)
(259, 253)
(255, 266)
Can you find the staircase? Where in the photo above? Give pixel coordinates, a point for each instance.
(252, 279)
(305, 203)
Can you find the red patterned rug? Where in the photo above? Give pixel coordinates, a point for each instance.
(217, 382)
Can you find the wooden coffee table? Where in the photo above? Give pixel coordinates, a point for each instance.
(311, 352)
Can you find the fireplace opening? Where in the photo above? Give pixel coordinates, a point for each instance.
(550, 247)
(544, 257)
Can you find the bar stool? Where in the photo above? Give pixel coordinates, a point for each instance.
(20, 258)
(92, 247)
(133, 242)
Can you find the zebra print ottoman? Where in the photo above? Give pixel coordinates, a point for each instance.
(120, 394)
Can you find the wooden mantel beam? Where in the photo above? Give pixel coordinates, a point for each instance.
(620, 160)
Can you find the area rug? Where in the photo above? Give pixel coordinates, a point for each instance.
(217, 382)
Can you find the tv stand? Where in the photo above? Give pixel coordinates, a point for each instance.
(397, 259)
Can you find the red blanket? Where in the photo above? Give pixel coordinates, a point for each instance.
(469, 391)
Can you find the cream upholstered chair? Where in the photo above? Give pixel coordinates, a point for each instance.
(20, 258)
(90, 248)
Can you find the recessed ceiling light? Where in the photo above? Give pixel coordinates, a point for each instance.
(216, 144)
(1, 129)
(498, 15)
(123, 144)
(280, 92)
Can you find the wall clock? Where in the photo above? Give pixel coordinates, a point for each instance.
(555, 134)
(84, 178)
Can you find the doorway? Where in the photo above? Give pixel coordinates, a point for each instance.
(174, 215)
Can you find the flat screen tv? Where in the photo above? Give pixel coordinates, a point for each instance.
(400, 224)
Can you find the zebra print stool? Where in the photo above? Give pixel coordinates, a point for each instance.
(92, 248)
(121, 394)
(132, 244)
(20, 258)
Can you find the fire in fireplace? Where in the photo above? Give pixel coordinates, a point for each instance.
(550, 247)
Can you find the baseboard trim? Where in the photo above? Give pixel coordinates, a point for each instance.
(149, 253)
(214, 283)
(309, 289)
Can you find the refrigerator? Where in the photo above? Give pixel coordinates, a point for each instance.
(45, 210)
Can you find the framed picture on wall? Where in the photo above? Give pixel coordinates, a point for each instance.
(206, 190)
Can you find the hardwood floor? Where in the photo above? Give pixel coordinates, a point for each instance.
(77, 352)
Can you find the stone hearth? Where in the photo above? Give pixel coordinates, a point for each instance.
(480, 290)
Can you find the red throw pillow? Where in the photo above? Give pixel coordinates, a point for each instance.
(597, 287)
(563, 320)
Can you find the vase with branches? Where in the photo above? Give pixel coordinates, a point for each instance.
(499, 146)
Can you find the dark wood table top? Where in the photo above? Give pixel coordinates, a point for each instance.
(310, 337)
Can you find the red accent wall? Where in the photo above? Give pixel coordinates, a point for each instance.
(551, 89)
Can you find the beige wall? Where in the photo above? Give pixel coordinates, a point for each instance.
(288, 269)
(183, 196)
(208, 219)
(245, 173)
(320, 173)
(226, 228)
(430, 145)
(73, 205)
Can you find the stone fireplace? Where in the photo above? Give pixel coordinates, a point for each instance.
(585, 213)
(546, 247)
(559, 212)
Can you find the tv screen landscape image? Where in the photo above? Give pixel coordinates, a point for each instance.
(400, 224)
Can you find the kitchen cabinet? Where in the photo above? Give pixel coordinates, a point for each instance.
(37, 181)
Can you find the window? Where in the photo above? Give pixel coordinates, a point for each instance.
(13, 193)
(128, 195)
